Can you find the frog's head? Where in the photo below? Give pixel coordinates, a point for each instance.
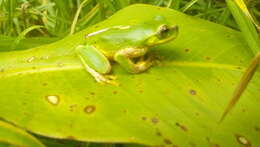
(162, 32)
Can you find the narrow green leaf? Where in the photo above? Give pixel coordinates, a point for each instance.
(72, 29)
(242, 85)
(169, 4)
(241, 4)
(245, 24)
(22, 35)
(87, 19)
(15, 136)
(6, 42)
(188, 5)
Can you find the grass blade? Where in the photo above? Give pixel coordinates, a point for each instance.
(245, 24)
(22, 35)
(188, 5)
(243, 7)
(72, 29)
(242, 85)
(15, 136)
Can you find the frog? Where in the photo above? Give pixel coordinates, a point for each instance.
(126, 45)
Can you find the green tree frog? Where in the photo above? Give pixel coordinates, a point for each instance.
(122, 44)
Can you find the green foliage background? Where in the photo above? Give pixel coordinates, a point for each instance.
(57, 15)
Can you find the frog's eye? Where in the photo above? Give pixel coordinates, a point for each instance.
(163, 31)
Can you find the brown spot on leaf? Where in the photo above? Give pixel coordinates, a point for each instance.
(141, 91)
(92, 93)
(44, 84)
(144, 118)
(2, 70)
(184, 128)
(192, 144)
(257, 129)
(167, 141)
(114, 92)
(208, 139)
(73, 107)
(158, 79)
(211, 143)
(238, 67)
(158, 133)
(154, 120)
(186, 50)
(90, 109)
(192, 92)
(243, 140)
(25, 113)
(208, 58)
(214, 145)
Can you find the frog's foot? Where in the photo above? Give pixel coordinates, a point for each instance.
(110, 77)
(146, 63)
(105, 79)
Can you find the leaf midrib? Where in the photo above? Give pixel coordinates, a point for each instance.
(65, 67)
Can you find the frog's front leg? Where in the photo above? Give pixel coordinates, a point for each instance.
(124, 58)
(95, 63)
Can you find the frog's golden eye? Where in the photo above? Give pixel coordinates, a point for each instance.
(163, 31)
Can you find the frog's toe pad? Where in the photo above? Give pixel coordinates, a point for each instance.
(110, 77)
(107, 79)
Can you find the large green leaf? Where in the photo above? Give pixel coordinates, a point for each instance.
(179, 101)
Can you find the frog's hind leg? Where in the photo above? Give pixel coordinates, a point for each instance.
(95, 63)
(125, 58)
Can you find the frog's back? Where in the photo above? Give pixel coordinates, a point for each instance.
(109, 40)
(116, 39)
